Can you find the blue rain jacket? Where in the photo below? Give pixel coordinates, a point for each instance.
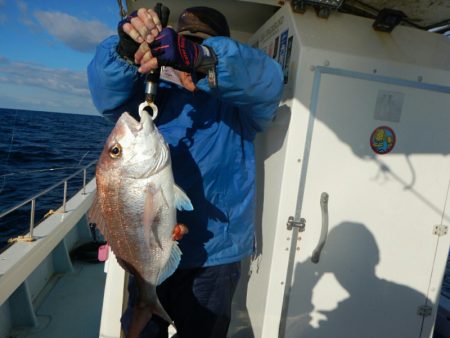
(210, 133)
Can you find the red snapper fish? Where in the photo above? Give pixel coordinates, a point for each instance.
(135, 209)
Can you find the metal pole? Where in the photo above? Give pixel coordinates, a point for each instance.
(84, 181)
(33, 209)
(65, 196)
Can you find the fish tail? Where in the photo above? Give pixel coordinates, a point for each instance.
(159, 310)
(147, 304)
(141, 316)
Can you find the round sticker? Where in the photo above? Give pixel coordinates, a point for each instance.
(382, 140)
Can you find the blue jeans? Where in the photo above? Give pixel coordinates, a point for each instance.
(198, 301)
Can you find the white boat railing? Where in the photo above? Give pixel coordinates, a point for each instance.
(26, 265)
(32, 200)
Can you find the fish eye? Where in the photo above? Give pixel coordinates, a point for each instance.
(115, 151)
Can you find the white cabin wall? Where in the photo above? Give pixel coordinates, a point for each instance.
(345, 43)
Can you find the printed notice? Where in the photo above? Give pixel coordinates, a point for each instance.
(389, 106)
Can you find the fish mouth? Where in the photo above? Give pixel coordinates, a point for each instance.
(145, 124)
(146, 119)
(131, 123)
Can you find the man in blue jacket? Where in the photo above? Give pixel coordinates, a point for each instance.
(214, 96)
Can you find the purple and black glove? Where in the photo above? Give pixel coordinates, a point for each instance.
(126, 47)
(174, 50)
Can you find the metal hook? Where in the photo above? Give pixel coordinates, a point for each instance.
(145, 104)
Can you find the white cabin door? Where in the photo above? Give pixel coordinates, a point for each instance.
(381, 262)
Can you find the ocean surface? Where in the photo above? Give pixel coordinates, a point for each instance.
(39, 149)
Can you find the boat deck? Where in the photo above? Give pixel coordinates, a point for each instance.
(72, 306)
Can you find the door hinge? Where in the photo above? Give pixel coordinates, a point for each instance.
(440, 230)
(424, 310)
(292, 223)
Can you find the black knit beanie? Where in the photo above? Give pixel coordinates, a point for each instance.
(203, 20)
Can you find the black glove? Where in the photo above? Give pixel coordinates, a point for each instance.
(126, 47)
(174, 50)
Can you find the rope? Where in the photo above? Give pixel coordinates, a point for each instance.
(52, 212)
(28, 238)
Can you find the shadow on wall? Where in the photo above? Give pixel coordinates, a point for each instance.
(353, 267)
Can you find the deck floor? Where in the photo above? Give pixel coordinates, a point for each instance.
(72, 309)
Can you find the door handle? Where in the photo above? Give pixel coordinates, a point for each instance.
(324, 231)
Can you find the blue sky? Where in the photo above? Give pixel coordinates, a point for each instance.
(45, 47)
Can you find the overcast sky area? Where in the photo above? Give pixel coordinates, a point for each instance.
(45, 47)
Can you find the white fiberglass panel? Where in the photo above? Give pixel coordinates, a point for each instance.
(380, 249)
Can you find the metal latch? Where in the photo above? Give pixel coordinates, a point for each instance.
(424, 310)
(440, 230)
(292, 223)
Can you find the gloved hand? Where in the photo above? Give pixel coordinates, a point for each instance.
(137, 28)
(126, 47)
(174, 50)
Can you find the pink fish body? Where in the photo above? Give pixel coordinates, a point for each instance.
(135, 209)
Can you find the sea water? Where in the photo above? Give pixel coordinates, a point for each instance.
(37, 150)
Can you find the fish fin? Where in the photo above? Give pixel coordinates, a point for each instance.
(150, 207)
(140, 318)
(171, 265)
(95, 216)
(182, 202)
(146, 304)
(152, 211)
(159, 310)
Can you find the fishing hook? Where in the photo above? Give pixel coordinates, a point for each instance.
(145, 104)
